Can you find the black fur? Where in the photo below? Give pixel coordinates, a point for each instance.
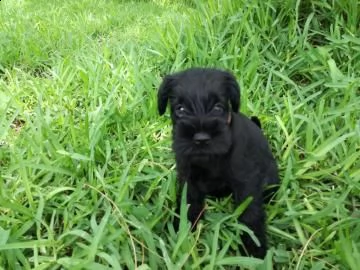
(256, 121)
(218, 151)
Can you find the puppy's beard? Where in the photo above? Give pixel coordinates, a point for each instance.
(200, 160)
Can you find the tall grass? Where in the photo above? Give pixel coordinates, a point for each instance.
(87, 176)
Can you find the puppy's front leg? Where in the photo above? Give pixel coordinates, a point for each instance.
(254, 218)
(195, 199)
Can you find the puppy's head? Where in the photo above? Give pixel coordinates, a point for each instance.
(201, 102)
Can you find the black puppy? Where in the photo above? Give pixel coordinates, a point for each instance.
(218, 151)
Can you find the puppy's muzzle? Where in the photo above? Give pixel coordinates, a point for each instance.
(201, 138)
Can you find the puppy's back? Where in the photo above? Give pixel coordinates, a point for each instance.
(250, 140)
(249, 132)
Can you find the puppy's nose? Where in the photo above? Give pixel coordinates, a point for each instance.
(201, 138)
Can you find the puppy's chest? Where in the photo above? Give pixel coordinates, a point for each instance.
(212, 183)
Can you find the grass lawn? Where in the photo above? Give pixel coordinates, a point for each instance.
(87, 176)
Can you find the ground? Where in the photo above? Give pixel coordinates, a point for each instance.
(87, 177)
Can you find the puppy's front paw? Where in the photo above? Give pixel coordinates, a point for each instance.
(176, 223)
(252, 249)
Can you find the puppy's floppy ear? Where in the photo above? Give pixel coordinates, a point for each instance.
(163, 93)
(233, 91)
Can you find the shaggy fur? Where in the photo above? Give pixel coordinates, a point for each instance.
(218, 151)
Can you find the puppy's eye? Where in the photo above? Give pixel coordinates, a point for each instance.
(180, 110)
(218, 109)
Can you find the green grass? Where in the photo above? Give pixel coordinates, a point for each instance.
(87, 177)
